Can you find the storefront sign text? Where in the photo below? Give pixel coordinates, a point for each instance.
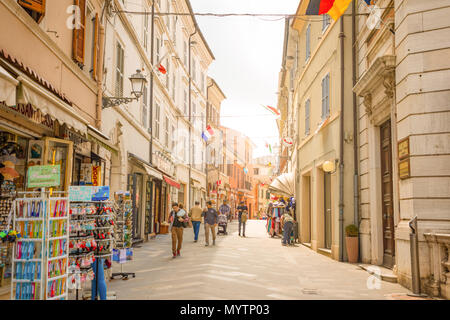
(44, 176)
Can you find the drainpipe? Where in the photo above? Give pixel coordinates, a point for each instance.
(206, 153)
(341, 148)
(190, 119)
(152, 58)
(355, 130)
(100, 68)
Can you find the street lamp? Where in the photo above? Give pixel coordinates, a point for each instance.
(330, 167)
(138, 81)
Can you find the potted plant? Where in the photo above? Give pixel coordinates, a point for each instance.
(351, 240)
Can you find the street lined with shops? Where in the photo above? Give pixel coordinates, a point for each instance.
(255, 267)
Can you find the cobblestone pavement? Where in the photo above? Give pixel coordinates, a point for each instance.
(255, 267)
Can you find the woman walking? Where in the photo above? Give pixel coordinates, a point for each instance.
(178, 216)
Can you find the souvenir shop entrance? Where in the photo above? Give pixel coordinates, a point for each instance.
(161, 207)
(135, 186)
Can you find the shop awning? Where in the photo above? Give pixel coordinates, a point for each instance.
(284, 184)
(8, 87)
(99, 137)
(152, 172)
(47, 103)
(172, 182)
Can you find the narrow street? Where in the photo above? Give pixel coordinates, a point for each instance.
(256, 267)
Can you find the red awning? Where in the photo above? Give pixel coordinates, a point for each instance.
(172, 182)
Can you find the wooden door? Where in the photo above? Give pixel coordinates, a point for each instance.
(327, 209)
(387, 195)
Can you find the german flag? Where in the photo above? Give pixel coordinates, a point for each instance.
(334, 8)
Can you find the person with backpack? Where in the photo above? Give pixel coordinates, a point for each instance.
(242, 217)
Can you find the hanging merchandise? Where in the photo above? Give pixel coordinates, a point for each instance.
(40, 254)
(91, 240)
(274, 213)
(123, 232)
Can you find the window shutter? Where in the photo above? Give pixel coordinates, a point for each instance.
(308, 36)
(37, 6)
(307, 116)
(34, 5)
(323, 98)
(96, 44)
(79, 34)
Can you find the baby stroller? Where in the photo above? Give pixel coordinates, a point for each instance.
(222, 225)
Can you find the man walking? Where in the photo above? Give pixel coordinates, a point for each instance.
(242, 217)
(196, 217)
(225, 209)
(210, 215)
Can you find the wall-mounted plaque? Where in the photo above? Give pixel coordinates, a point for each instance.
(403, 149)
(404, 170)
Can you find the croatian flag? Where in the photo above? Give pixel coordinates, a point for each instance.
(206, 135)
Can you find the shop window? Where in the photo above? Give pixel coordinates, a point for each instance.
(13, 162)
(35, 8)
(59, 152)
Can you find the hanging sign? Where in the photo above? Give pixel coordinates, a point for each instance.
(88, 193)
(44, 176)
(288, 142)
(100, 193)
(96, 175)
(80, 193)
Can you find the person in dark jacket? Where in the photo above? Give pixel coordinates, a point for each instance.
(177, 217)
(211, 217)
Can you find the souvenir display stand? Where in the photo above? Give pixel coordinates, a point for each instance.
(91, 239)
(40, 253)
(123, 232)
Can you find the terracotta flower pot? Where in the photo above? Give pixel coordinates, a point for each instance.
(352, 249)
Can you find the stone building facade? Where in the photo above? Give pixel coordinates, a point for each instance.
(403, 86)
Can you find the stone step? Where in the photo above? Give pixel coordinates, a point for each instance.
(384, 273)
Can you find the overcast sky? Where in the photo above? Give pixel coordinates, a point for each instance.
(248, 54)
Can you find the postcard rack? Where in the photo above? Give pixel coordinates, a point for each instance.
(40, 253)
(123, 232)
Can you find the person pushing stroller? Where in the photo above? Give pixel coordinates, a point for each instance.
(222, 221)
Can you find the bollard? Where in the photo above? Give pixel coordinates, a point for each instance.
(414, 245)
